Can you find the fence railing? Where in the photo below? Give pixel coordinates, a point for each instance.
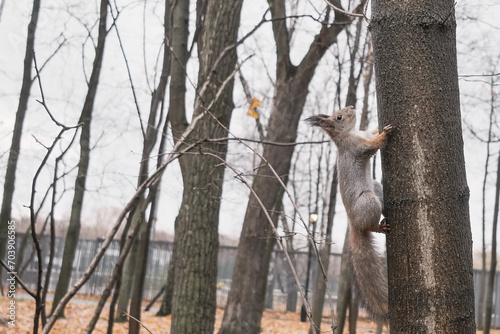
(281, 292)
(281, 289)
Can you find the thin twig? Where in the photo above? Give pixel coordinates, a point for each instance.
(128, 315)
(340, 10)
(132, 87)
(449, 14)
(43, 103)
(18, 279)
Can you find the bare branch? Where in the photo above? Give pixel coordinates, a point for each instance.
(36, 242)
(43, 102)
(340, 10)
(449, 14)
(132, 87)
(18, 279)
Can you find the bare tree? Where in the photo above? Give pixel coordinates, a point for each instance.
(425, 188)
(10, 174)
(73, 233)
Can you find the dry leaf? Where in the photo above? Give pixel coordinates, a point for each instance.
(253, 105)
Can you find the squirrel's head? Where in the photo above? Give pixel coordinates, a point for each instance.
(339, 122)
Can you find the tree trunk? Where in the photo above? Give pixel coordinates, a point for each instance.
(195, 277)
(345, 291)
(245, 302)
(177, 115)
(129, 268)
(10, 174)
(493, 263)
(166, 303)
(73, 232)
(425, 188)
(482, 284)
(319, 292)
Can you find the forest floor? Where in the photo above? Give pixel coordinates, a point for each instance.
(78, 314)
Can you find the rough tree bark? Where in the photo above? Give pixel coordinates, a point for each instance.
(196, 235)
(245, 303)
(73, 232)
(425, 188)
(10, 174)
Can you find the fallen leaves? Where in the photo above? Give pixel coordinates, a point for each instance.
(79, 313)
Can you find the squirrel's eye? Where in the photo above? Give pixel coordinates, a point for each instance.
(339, 117)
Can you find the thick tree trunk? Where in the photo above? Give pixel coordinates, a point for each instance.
(10, 174)
(194, 299)
(73, 233)
(425, 188)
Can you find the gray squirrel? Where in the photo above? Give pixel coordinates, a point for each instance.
(363, 200)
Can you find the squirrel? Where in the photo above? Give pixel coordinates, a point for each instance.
(363, 200)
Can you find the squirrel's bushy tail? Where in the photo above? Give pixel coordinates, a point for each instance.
(369, 279)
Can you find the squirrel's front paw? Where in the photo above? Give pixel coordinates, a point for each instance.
(384, 226)
(388, 128)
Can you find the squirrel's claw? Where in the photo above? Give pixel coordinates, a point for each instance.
(384, 226)
(388, 128)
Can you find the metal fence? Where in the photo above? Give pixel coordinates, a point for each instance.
(281, 288)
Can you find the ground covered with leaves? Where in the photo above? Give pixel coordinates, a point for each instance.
(78, 315)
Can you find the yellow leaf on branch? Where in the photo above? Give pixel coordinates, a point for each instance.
(253, 105)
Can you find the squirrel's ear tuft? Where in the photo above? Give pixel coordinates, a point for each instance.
(317, 120)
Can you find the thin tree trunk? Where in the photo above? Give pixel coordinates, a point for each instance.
(10, 174)
(166, 303)
(426, 197)
(319, 292)
(493, 263)
(177, 115)
(73, 232)
(345, 291)
(129, 270)
(482, 287)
